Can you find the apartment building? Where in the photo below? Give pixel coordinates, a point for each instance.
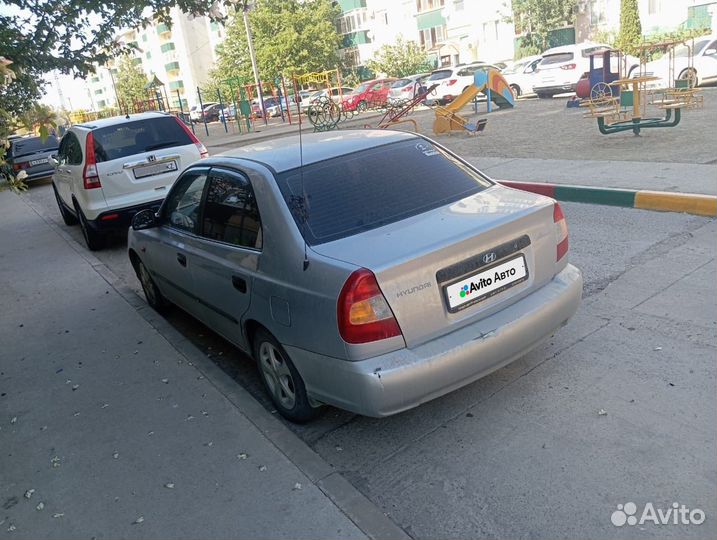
(451, 31)
(179, 57)
(655, 16)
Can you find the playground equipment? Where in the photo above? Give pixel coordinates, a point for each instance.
(606, 66)
(395, 114)
(488, 81)
(611, 118)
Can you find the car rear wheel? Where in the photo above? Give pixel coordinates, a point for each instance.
(95, 240)
(516, 90)
(67, 216)
(281, 379)
(155, 298)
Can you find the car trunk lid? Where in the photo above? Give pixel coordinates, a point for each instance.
(448, 267)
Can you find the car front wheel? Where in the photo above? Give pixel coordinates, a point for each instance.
(516, 90)
(281, 379)
(154, 297)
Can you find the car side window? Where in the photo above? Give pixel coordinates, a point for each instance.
(183, 202)
(72, 150)
(62, 150)
(231, 213)
(711, 49)
(531, 67)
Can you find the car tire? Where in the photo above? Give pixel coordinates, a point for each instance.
(281, 379)
(95, 240)
(155, 298)
(362, 106)
(68, 217)
(689, 74)
(543, 95)
(516, 90)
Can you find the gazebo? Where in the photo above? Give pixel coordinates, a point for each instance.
(155, 88)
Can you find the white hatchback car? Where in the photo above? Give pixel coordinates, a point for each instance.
(522, 74)
(452, 81)
(108, 170)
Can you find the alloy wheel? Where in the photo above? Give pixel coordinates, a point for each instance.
(277, 375)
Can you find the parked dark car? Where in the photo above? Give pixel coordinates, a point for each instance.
(31, 154)
(212, 112)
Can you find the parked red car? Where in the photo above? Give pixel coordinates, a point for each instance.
(368, 94)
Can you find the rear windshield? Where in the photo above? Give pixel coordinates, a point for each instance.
(122, 140)
(557, 58)
(358, 192)
(438, 75)
(401, 83)
(32, 145)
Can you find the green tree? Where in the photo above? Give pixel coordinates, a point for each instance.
(630, 35)
(130, 83)
(289, 37)
(400, 59)
(536, 18)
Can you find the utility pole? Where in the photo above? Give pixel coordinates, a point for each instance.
(252, 55)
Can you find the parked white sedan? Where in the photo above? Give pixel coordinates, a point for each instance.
(521, 75)
(700, 71)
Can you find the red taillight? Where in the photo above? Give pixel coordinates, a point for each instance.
(561, 232)
(451, 82)
(20, 166)
(90, 177)
(362, 310)
(109, 217)
(568, 66)
(406, 89)
(202, 149)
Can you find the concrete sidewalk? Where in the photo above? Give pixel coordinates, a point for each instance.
(110, 428)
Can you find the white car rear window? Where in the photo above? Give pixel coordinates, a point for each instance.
(138, 137)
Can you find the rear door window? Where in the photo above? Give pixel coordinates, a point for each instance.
(557, 58)
(138, 137)
(32, 145)
(230, 212)
(358, 192)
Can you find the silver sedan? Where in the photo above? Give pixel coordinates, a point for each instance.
(372, 270)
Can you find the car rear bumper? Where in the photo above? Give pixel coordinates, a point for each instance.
(397, 381)
(121, 218)
(555, 89)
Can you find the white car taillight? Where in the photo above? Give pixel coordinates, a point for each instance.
(363, 312)
(202, 149)
(561, 232)
(90, 177)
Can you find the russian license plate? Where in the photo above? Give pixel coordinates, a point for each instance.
(486, 283)
(158, 168)
(38, 161)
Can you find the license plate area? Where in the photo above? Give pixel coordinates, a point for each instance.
(144, 171)
(38, 162)
(487, 282)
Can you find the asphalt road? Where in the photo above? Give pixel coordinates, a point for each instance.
(524, 452)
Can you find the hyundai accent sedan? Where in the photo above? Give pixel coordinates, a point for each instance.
(372, 271)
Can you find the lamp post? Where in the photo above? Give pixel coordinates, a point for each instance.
(252, 56)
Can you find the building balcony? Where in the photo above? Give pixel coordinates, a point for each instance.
(355, 38)
(168, 47)
(176, 85)
(162, 28)
(348, 5)
(171, 66)
(430, 19)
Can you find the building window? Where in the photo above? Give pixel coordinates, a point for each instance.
(430, 37)
(168, 47)
(148, 55)
(175, 85)
(653, 6)
(458, 5)
(352, 57)
(427, 5)
(171, 66)
(352, 22)
(99, 91)
(101, 104)
(144, 38)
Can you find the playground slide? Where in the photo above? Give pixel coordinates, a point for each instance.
(491, 83)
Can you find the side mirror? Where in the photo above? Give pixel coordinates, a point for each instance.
(145, 219)
(53, 160)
